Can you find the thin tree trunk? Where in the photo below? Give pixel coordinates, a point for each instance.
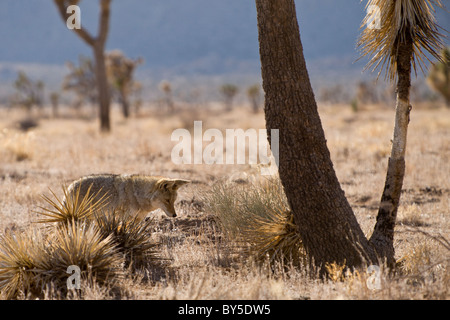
(103, 89)
(255, 105)
(125, 104)
(383, 235)
(102, 80)
(329, 230)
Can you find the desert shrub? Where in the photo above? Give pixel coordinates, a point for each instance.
(84, 246)
(16, 146)
(29, 93)
(21, 257)
(33, 260)
(258, 218)
(228, 92)
(130, 236)
(72, 208)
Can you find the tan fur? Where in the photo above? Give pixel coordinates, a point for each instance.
(131, 194)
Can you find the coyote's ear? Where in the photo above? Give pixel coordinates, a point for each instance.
(171, 184)
(180, 182)
(163, 184)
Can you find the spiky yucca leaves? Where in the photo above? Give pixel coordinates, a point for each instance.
(72, 208)
(130, 235)
(400, 19)
(34, 260)
(23, 257)
(259, 218)
(84, 246)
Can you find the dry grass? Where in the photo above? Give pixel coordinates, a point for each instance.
(198, 260)
(34, 260)
(257, 218)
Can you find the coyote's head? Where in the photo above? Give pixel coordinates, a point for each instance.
(167, 194)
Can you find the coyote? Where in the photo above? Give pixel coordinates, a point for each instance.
(130, 194)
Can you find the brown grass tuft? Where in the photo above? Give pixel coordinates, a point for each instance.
(259, 218)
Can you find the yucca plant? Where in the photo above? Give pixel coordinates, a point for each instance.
(259, 219)
(84, 246)
(72, 208)
(33, 260)
(23, 257)
(131, 236)
(407, 30)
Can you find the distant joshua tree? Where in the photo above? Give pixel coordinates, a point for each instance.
(29, 93)
(333, 94)
(166, 88)
(229, 91)
(98, 47)
(54, 99)
(254, 95)
(366, 93)
(439, 76)
(82, 81)
(120, 72)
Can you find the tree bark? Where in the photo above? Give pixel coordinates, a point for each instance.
(102, 80)
(329, 230)
(103, 87)
(383, 235)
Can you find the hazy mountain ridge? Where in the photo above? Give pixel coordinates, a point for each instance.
(175, 37)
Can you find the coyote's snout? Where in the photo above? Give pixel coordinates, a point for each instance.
(130, 194)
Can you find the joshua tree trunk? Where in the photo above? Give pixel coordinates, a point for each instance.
(327, 225)
(407, 29)
(383, 235)
(125, 103)
(103, 88)
(102, 80)
(98, 46)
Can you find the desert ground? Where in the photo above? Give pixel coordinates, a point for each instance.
(200, 261)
